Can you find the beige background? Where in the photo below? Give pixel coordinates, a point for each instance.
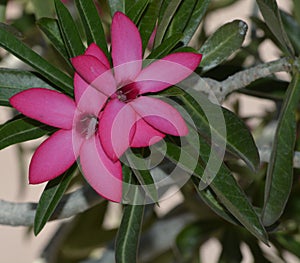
(19, 245)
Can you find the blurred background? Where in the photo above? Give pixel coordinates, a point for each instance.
(18, 244)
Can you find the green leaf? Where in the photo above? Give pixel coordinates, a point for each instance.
(190, 238)
(220, 45)
(231, 251)
(43, 8)
(235, 134)
(3, 4)
(51, 29)
(9, 42)
(140, 167)
(21, 129)
(223, 185)
(137, 10)
(194, 22)
(270, 12)
(84, 235)
(209, 198)
(296, 10)
(128, 236)
(116, 5)
(148, 21)
(165, 21)
(290, 243)
(13, 81)
(50, 198)
(280, 170)
(292, 29)
(164, 48)
(181, 18)
(92, 23)
(69, 30)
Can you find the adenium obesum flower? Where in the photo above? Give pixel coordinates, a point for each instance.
(130, 118)
(111, 110)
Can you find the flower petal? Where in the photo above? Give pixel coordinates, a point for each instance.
(47, 106)
(101, 173)
(167, 71)
(115, 126)
(145, 135)
(94, 50)
(126, 48)
(160, 115)
(95, 73)
(88, 99)
(53, 157)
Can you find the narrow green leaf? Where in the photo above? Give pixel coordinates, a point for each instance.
(137, 10)
(190, 238)
(51, 29)
(69, 30)
(209, 198)
(129, 4)
(235, 134)
(164, 48)
(231, 247)
(140, 167)
(289, 242)
(296, 10)
(270, 12)
(194, 22)
(148, 21)
(280, 169)
(92, 23)
(181, 18)
(128, 236)
(116, 5)
(3, 4)
(220, 45)
(13, 81)
(50, 198)
(43, 8)
(21, 129)
(165, 22)
(292, 28)
(223, 185)
(9, 42)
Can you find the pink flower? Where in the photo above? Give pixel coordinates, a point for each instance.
(77, 136)
(131, 119)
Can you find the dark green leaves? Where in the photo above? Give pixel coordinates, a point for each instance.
(92, 23)
(9, 42)
(220, 45)
(270, 12)
(136, 11)
(69, 30)
(13, 81)
(50, 198)
(129, 233)
(280, 169)
(21, 129)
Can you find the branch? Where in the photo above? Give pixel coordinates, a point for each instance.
(221, 89)
(22, 214)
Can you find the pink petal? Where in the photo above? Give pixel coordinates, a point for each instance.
(166, 72)
(95, 73)
(88, 99)
(53, 157)
(160, 115)
(115, 124)
(126, 48)
(94, 50)
(145, 135)
(101, 173)
(47, 106)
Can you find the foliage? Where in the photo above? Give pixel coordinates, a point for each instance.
(246, 202)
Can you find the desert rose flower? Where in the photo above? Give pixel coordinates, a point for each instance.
(130, 118)
(77, 136)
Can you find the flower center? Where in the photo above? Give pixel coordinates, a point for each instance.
(127, 93)
(87, 125)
